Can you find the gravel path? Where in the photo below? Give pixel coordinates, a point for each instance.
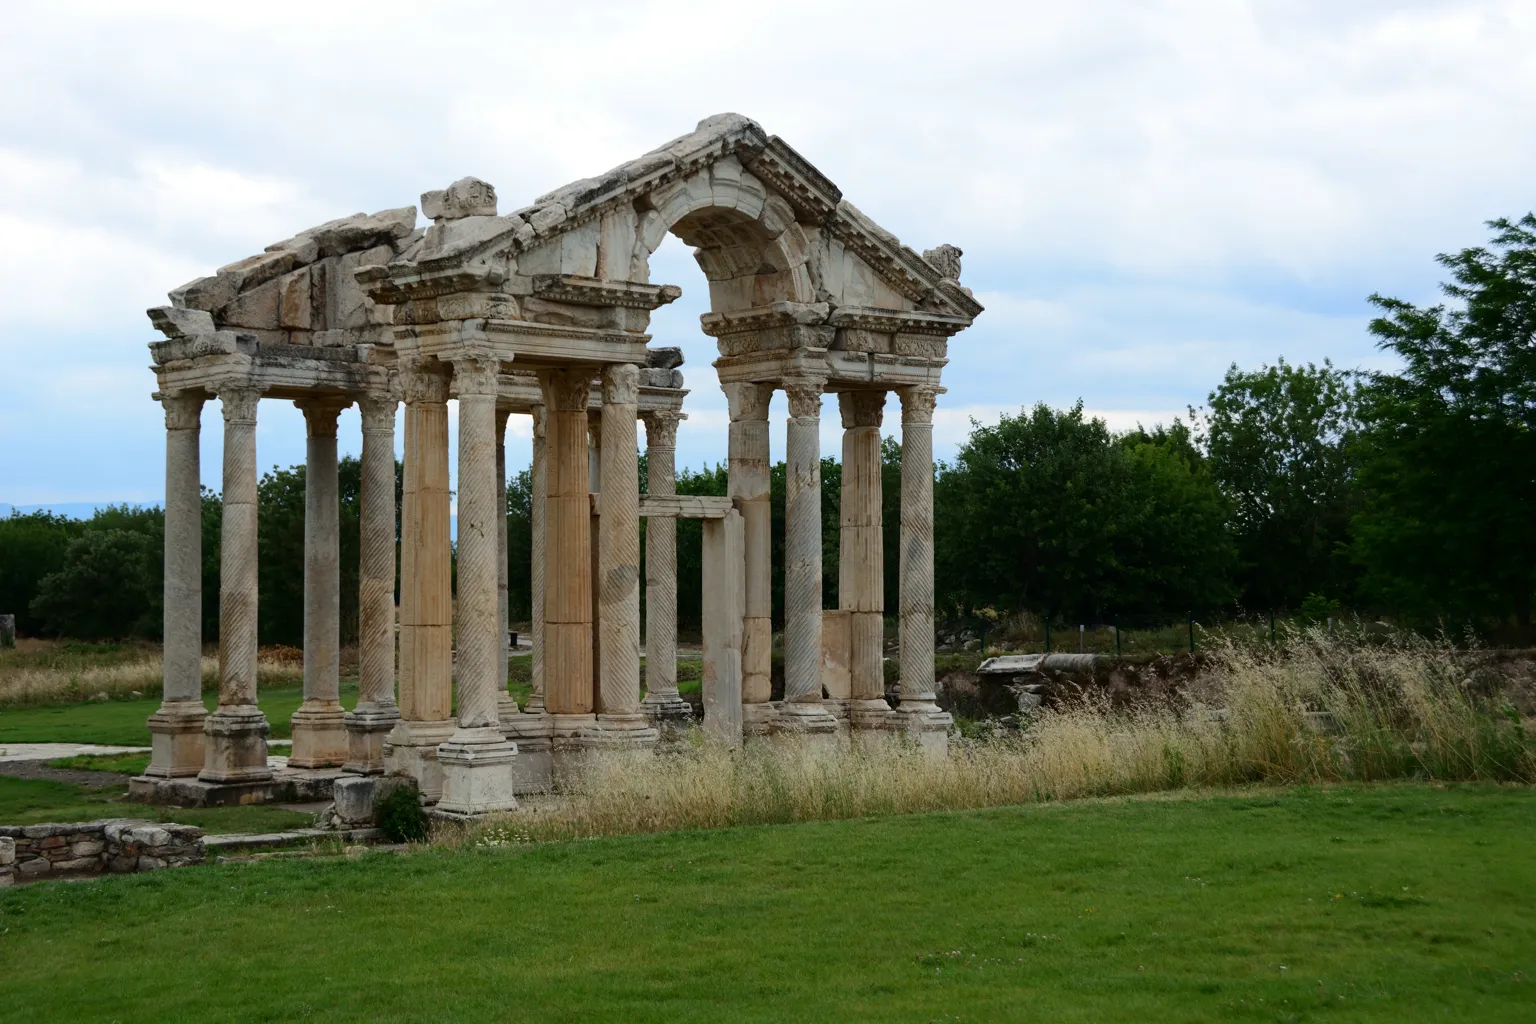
(40, 770)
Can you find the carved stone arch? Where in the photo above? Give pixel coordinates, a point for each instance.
(744, 235)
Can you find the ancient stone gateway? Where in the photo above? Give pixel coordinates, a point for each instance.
(543, 311)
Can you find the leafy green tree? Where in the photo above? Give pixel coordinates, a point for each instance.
(280, 545)
(1279, 442)
(108, 588)
(31, 547)
(1049, 511)
(1446, 461)
(520, 547)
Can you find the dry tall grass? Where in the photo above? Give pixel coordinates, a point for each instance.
(41, 672)
(1320, 709)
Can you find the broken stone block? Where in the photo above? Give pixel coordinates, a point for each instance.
(176, 322)
(668, 357)
(207, 293)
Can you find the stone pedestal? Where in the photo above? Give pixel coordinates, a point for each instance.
(570, 741)
(477, 772)
(411, 749)
(177, 743)
(533, 771)
(236, 749)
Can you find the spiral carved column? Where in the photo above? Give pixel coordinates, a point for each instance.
(319, 726)
(376, 712)
(477, 759)
(918, 711)
(236, 749)
(176, 728)
(803, 710)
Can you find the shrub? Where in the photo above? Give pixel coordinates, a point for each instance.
(400, 817)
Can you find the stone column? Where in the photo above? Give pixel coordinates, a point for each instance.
(747, 467)
(176, 729)
(861, 564)
(319, 726)
(918, 712)
(594, 507)
(538, 500)
(662, 704)
(803, 711)
(619, 719)
(724, 604)
(567, 550)
(477, 759)
(237, 731)
(376, 712)
(506, 706)
(426, 599)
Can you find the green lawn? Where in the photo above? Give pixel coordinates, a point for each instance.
(31, 801)
(121, 722)
(1396, 903)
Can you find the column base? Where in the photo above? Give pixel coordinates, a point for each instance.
(667, 712)
(871, 723)
(808, 720)
(536, 705)
(319, 735)
(623, 731)
(368, 729)
(178, 745)
(926, 724)
(411, 749)
(757, 719)
(235, 749)
(506, 706)
(533, 771)
(477, 772)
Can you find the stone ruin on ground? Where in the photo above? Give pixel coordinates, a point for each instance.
(543, 312)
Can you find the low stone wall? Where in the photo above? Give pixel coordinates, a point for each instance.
(122, 845)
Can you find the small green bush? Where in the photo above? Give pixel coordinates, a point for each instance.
(400, 817)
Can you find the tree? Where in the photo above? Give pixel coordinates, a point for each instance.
(31, 547)
(1279, 442)
(1049, 511)
(1448, 462)
(108, 588)
(520, 547)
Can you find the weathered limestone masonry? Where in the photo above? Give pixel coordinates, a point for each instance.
(544, 311)
(36, 852)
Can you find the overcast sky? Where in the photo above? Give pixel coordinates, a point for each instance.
(1145, 191)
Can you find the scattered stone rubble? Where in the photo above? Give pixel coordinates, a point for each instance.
(119, 845)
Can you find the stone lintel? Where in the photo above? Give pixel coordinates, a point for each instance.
(590, 291)
(896, 321)
(684, 506)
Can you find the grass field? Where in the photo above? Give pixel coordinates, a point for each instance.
(31, 801)
(1391, 903)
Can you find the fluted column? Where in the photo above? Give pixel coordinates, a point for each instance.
(861, 563)
(662, 703)
(619, 718)
(477, 759)
(918, 709)
(747, 469)
(319, 726)
(567, 547)
(538, 501)
(594, 487)
(803, 710)
(176, 729)
(237, 732)
(376, 712)
(505, 704)
(426, 600)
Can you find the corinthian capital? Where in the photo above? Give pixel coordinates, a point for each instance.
(748, 401)
(621, 384)
(320, 414)
(861, 408)
(804, 396)
(423, 386)
(239, 403)
(661, 428)
(378, 413)
(183, 410)
(917, 404)
(565, 390)
(475, 375)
